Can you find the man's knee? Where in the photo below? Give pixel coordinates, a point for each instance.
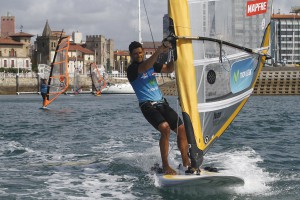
(164, 128)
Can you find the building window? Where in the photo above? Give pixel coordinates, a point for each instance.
(27, 63)
(5, 63)
(12, 63)
(12, 53)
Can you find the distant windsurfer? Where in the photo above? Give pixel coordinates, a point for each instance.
(153, 105)
(44, 90)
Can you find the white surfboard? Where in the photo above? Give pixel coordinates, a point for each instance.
(204, 179)
(44, 108)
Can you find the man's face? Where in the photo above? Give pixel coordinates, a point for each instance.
(137, 55)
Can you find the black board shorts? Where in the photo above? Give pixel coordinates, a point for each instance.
(156, 113)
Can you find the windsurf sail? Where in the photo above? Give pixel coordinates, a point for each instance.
(44, 71)
(220, 49)
(58, 81)
(98, 81)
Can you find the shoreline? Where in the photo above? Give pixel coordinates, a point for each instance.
(271, 81)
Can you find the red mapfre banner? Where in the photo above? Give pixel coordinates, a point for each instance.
(256, 7)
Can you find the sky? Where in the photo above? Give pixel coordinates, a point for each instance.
(113, 19)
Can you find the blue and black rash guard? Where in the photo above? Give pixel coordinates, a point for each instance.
(144, 84)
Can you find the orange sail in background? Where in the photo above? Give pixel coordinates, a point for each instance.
(58, 81)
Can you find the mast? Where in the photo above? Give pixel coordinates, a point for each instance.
(140, 26)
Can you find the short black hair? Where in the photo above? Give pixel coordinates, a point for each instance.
(134, 45)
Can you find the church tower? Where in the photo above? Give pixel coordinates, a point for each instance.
(7, 25)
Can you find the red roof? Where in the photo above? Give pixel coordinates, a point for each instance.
(279, 16)
(21, 34)
(74, 47)
(121, 53)
(9, 41)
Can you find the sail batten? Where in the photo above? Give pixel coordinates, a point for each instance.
(208, 107)
(216, 71)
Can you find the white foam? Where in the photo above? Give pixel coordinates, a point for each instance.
(12, 146)
(244, 163)
(95, 186)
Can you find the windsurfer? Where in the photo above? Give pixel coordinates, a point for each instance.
(154, 107)
(44, 90)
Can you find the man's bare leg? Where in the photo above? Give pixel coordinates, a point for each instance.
(164, 129)
(183, 145)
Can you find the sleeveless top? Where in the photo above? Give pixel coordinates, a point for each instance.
(144, 84)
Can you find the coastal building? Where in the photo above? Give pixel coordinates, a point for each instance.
(150, 47)
(7, 25)
(14, 47)
(44, 45)
(285, 40)
(103, 50)
(80, 59)
(77, 37)
(122, 61)
(166, 26)
(79, 56)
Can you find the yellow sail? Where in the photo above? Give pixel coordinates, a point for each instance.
(216, 65)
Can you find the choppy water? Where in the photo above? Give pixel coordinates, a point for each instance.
(89, 147)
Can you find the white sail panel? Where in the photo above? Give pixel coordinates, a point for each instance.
(229, 47)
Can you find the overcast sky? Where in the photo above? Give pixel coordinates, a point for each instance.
(114, 19)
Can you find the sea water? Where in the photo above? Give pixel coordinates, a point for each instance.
(87, 147)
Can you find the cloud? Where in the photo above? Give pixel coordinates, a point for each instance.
(114, 19)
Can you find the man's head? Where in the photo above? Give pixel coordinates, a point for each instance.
(136, 51)
(134, 45)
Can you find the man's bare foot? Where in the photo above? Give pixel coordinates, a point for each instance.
(186, 162)
(169, 171)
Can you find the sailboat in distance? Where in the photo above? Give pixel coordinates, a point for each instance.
(218, 57)
(58, 81)
(98, 81)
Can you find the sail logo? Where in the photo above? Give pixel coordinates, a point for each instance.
(237, 75)
(256, 7)
(241, 75)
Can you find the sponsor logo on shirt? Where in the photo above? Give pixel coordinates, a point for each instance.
(144, 76)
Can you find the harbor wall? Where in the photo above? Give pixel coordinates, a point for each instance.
(272, 81)
(21, 85)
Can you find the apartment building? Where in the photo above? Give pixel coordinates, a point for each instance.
(285, 39)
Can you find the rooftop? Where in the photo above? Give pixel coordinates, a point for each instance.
(9, 41)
